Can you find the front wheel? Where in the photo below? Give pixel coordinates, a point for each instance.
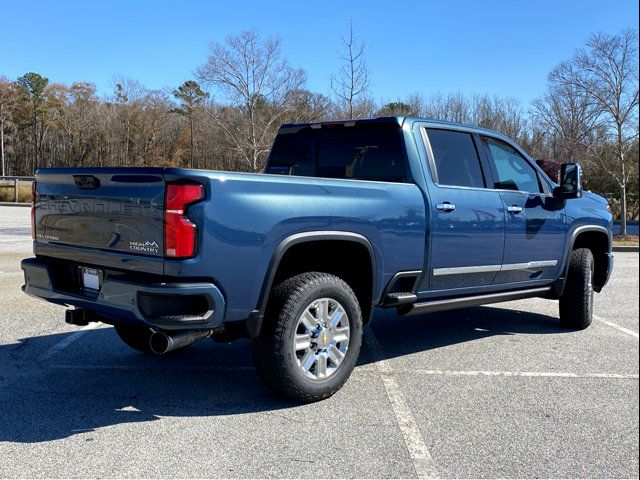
(576, 302)
(311, 337)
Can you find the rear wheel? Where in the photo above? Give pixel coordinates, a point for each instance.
(135, 337)
(310, 341)
(576, 302)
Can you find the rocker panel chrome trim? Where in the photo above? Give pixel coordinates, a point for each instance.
(494, 268)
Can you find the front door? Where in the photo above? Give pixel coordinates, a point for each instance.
(535, 228)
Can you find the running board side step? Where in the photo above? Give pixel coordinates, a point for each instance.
(464, 302)
(399, 298)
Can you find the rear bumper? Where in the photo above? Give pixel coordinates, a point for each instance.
(156, 305)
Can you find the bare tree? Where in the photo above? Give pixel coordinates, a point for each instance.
(502, 114)
(72, 119)
(417, 103)
(252, 74)
(459, 108)
(436, 106)
(353, 79)
(125, 109)
(606, 71)
(570, 116)
(306, 106)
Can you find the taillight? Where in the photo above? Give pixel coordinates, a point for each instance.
(33, 210)
(179, 231)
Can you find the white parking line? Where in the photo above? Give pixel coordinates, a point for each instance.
(616, 326)
(423, 463)
(360, 370)
(490, 373)
(65, 342)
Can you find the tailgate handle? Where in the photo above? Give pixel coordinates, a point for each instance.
(86, 181)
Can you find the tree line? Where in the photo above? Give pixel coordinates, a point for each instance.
(226, 116)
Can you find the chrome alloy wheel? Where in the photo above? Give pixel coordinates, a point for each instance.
(321, 338)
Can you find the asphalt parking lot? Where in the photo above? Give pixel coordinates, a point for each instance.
(498, 391)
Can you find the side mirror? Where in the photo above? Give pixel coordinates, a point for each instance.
(570, 181)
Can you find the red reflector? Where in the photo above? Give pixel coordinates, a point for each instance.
(179, 231)
(33, 210)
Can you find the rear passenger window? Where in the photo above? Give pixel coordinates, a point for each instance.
(456, 158)
(511, 170)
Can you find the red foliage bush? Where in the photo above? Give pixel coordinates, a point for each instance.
(550, 167)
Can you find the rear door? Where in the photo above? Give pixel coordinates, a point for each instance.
(468, 220)
(535, 227)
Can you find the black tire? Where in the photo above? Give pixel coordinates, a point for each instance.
(273, 352)
(135, 337)
(576, 302)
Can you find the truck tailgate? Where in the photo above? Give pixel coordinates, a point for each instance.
(108, 209)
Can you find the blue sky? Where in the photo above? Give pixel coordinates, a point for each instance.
(496, 47)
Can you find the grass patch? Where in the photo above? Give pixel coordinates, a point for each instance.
(24, 192)
(625, 240)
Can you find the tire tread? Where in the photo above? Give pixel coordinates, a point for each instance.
(575, 306)
(269, 349)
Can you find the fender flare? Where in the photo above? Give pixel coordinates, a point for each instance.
(558, 285)
(255, 320)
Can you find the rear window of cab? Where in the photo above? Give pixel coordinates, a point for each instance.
(367, 152)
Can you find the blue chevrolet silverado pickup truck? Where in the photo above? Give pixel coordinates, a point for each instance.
(401, 212)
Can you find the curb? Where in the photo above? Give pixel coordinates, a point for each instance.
(626, 249)
(14, 204)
